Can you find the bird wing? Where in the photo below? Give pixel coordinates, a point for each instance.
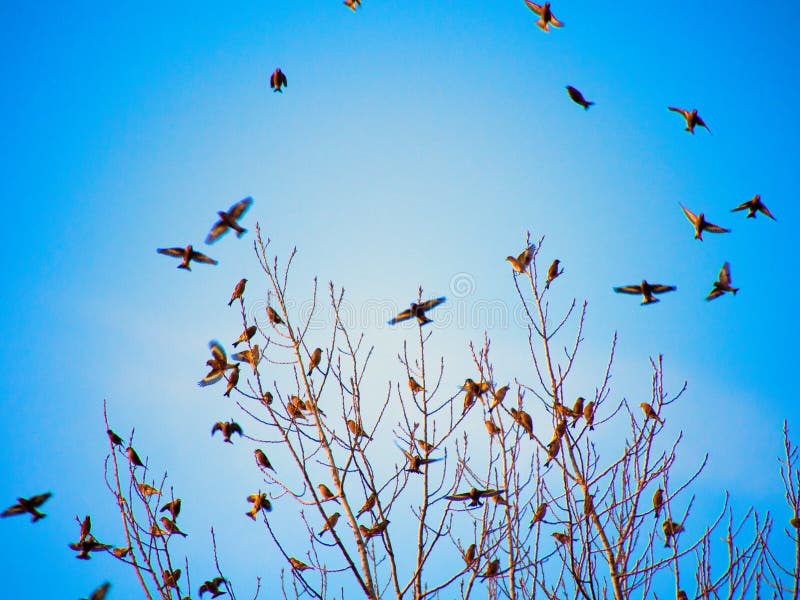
(764, 210)
(463, 496)
(218, 352)
(13, 510)
(657, 288)
(217, 427)
(725, 274)
(170, 251)
(236, 428)
(575, 94)
(219, 229)
(214, 375)
(702, 123)
(555, 22)
(715, 293)
(534, 7)
(284, 82)
(689, 214)
(429, 304)
(237, 210)
(680, 111)
(629, 289)
(202, 258)
(39, 499)
(711, 228)
(403, 316)
(742, 206)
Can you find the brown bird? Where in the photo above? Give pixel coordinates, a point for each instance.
(352, 4)
(492, 569)
(133, 457)
(173, 507)
(100, 593)
(368, 505)
(425, 446)
(295, 412)
(274, 317)
(681, 595)
(415, 462)
(262, 460)
(658, 502)
(212, 586)
(171, 578)
(266, 400)
(247, 335)
(562, 538)
(316, 358)
(546, 16)
(147, 490)
(692, 119)
(187, 255)
(577, 410)
(650, 413)
(114, 438)
(156, 531)
(560, 430)
(357, 430)
(228, 428)
(795, 522)
(588, 414)
(473, 391)
(470, 555)
(233, 381)
(277, 80)
(474, 496)
(521, 263)
(251, 357)
(418, 311)
(414, 386)
(588, 506)
(376, 530)
(498, 397)
(171, 527)
(298, 565)
(723, 283)
(700, 224)
(541, 511)
(330, 523)
(326, 493)
(86, 528)
(671, 529)
(29, 506)
(88, 545)
(552, 273)
(646, 290)
(238, 291)
(121, 552)
(229, 220)
(754, 206)
(578, 98)
(218, 364)
(491, 427)
(260, 502)
(524, 420)
(552, 450)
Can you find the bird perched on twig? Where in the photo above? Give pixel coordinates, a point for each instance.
(277, 81)
(133, 457)
(417, 311)
(246, 336)
(262, 460)
(474, 496)
(671, 529)
(658, 502)
(470, 554)
(646, 290)
(376, 530)
(473, 391)
(330, 523)
(562, 538)
(524, 420)
(552, 449)
(29, 506)
(552, 273)
(539, 514)
(187, 255)
(229, 220)
(238, 292)
(326, 493)
(700, 224)
(492, 569)
(368, 505)
(577, 410)
(588, 414)
(491, 427)
(521, 263)
(233, 381)
(691, 117)
(114, 438)
(546, 17)
(171, 578)
(414, 386)
(357, 430)
(578, 98)
(723, 283)
(754, 206)
(298, 565)
(260, 502)
(174, 508)
(650, 413)
(316, 358)
(171, 527)
(228, 428)
(498, 397)
(147, 490)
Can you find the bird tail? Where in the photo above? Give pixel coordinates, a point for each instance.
(241, 233)
(183, 266)
(734, 290)
(588, 104)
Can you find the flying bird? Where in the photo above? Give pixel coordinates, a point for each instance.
(723, 283)
(418, 311)
(316, 358)
(238, 291)
(352, 4)
(546, 17)
(474, 496)
(212, 586)
(229, 220)
(552, 273)
(173, 507)
(754, 206)
(562, 538)
(521, 263)
(277, 80)
(650, 413)
(578, 98)
(218, 364)
(87, 546)
(260, 502)
(700, 224)
(415, 462)
(228, 428)
(692, 118)
(646, 290)
(474, 390)
(29, 506)
(187, 255)
(100, 593)
(251, 356)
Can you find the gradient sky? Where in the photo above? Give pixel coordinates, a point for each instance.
(416, 144)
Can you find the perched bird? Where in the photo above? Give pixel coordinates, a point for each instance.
(671, 529)
(491, 427)
(498, 397)
(316, 358)
(588, 414)
(650, 413)
(114, 438)
(228, 428)
(375, 530)
(326, 493)
(171, 578)
(795, 522)
(577, 410)
(251, 357)
(646, 290)
(212, 586)
(552, 450)
(156, 531)
(700, 224)
(100, 593)
(262, 460)
(578, 98)
(562, 538)
(560, 430)
(425, 446)
(521, 263)
(28, 505)
(473, 391)
(418, 311)
(173, 507)
(474, 496)
(539, 514)
(246, 336)
(171, 527)
(266, 400)
(524, 420)
(238, 291)
(754, 206)
(274, 317)
(88, 545)
(588, 506)
(295, 412)
(492, 569)
(692, 118)
(229, 220)
(147, 490)
(298, 565)
(218, 364)
(723, 283)
(681, 595)
(368, 505)
(357, 430)
(552, 273)
(277, 80)
(330, 523)
(470, 554)
(414, 386)
(352, 4)
(260, 502)
(187, 255)
(133, 457)
(658, 502)
(233, 380)
(121, 552)
(546, 17)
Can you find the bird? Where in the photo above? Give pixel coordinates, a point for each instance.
(545, 14)
(425, 446)
(754, 206)
(588, 506)
(368, 505)
(492, 569)
(295, 412)
(681, 595)
(671, 529)
(100, 593)
(356, 429)
(251, 356)
(326, 493)
(578, 98)
(552, 273)
(700, 224)
(262, 460)
(233, 380)
(298, 565)
(414, 386)
(418, 311)
(229, 220)
(539, 514)
(646, 290)
(562, 538)
(330, 523)
(470, 555)
(415, 462)
(85, 547)
(521, 263)
(238, 291)
(375, 530)
(552, 450)
(795, 522)
(588, 414)
(121, 552)
(212, 586)
(277, 80)
(133, 457)
(723, 283)
(218, 364)
(561, 428)
(658, 502)
(316, 358)
(147, 490)
(266, 399)
(174, 508)
(171, 578)
(171, 527)
(156, 531)
(498, 397)
(29, 506)
(187, 255)
(524, 420)
(259, 502)
(474, 496)
(650, 413)
(491, 427)
(474, 390)
(692, 118)
(577, 410)
(246, 336)
(114, 438)
(228, 428)
(274, 317)
(352, 4)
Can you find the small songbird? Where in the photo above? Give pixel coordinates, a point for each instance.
(498, 397)
(262, 460)
(121, 552)
(352, 4)
(671, 529)
(470, 554)
(681, 595)
(414, 386)
(29, 506)
(753, 207)
(418, 311)
(156, 531)
(578, 98)
(100, 593)
(650, 413)
(491, 427)
(562, 538)
(425, 446)
(330, 523)
(218, 364)
(229, 220)
(473, 391)
(560, 430)
(277, 81)
(228, 428)
(552, 273)
(415, 462)
(357, 430)
(375, 530)
(588, 415)
(545, 14)
(173, 507)
(238, 291)
(723, 283)
(552, 450)
(524, 420)
(692, 118)
(588, 506)
(266, 400)
(298, 565)
(233, 380)
(316, 358)
(212, 586)
(700, 224)
(87, 546)
(368, 505)
(187, 255)
(326, 493)
(274, 317)
(251, 357)
(539, 514)
(474, 496)
(295, 412)
(795, 522)
(171, 527)
(646, 290)
(658, 502)
(147, 490)
(521, 263)
(492, 569)
(133, 457)
(577, 410)
(171, 578)
(260, 502)
(114, 438)
(247, 335)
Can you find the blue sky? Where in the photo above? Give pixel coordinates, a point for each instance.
(416, 141)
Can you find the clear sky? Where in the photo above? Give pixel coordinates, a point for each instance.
(416, 144)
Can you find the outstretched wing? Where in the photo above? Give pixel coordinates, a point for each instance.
(219, 229)
(403, 316)
(743, 206)
(689, 214)
(680, 111)
(13, 510)
(725, 274)
(555, 22)
(218, 352)
(202, 258)
(657, 288)
(40, 499)
(236, 428)
(629, 289)
(458, 497)
(534, 7)
(237, 210)
(715, 293)
(429, 304)
(764, 210)
(217, 427)
(170, 251)
(702, 123)
(711, 228)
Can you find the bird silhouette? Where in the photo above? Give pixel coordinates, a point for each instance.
(723, 283)
(187, 255)
(691, 117)
(418, 311)
(578, 98)
(229, 220)
(546, 17)
(700, 224)
(228, 428)
(277, 81)
(29, 506)
(646, 290)
(753, 207)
